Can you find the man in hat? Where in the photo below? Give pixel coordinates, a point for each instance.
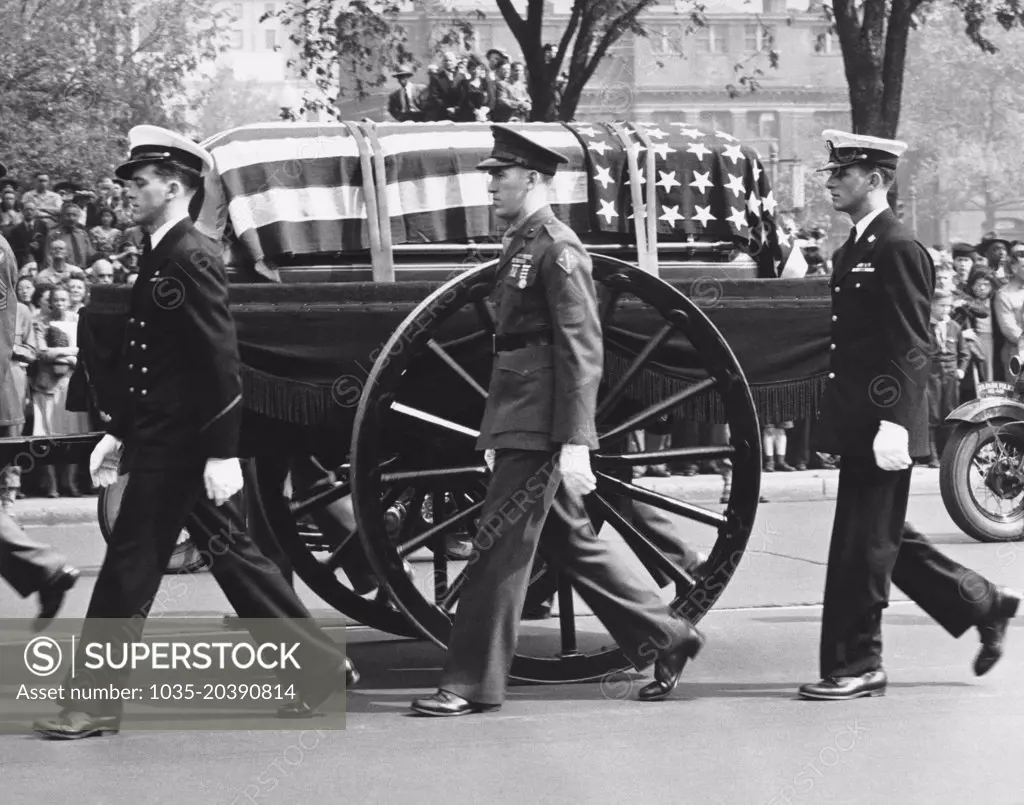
(175, 431)
(538, 430)
(444, 93)
(404, 102)
(874, 415)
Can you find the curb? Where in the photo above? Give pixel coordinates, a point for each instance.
(777, 487)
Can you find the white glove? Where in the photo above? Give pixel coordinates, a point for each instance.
(223, 478)
(574, 464)
(969, 334)
(489, 458)
(103, 462)
(891, 447)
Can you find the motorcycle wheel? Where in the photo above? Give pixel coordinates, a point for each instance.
(980, 480)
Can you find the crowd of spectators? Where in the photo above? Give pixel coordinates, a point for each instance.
(469, 88)
(65, 239)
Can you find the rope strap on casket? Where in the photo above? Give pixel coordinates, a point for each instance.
(386, 271)
(373, 228)
(645, 211)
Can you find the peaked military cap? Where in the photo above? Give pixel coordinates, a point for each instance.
(402, 74)
(154, 145)
(512, 148)
(850, 149)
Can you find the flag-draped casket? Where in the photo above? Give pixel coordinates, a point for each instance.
(287, 196)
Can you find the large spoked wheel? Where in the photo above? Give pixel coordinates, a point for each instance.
(186, 557)
(311, 518)
(982, 480)
(415, 433)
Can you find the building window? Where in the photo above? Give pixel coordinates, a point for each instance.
(826, 43)
(716, 121)
(758, 37)
(711, 39)
(774, 6)
(763, 125)
(666, 40)
(268, 8)
(832, 120)
(236, 12)
(270, 40)
(237, 41)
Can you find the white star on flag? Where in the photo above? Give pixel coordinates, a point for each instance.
(604, 176)
(588, 132)
(657, 133)
(668, 180)
(701, 181)
(725, 136)
(738, 218)
(662, 149)
(735, 184)
(600, 146)
(671, 215)
(698, 149)
(686, 131)
(608, 211)
(753, 204)
(769, 203)
(757, 172)
(703, 214)
(734, 152)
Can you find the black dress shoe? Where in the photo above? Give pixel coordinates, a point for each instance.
(669, 667)
(71, 725)
(444, 703)
(841, 688)
(51, 596)
(993, 632)
(305, 706)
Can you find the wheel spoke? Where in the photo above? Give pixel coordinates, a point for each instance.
(464, 340)
(631, 371)
(438, 350)
(567, 617)
(407, 547)
(448, 598)
(644, 549)
(320, 500)
(423, 416)
(649, 415)
(661, 456)
(443, 472)
(642, 495)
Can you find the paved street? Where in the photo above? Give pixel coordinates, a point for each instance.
(733, 733)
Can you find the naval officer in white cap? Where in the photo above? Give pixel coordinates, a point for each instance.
(178, 428)
(875, 416)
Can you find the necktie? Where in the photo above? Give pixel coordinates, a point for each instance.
(147, 246)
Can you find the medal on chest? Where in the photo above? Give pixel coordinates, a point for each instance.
(520, 270)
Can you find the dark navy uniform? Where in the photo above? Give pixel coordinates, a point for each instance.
(880, 365)
(183, 406)
(542, 395)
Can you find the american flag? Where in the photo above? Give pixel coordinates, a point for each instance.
(709, 186)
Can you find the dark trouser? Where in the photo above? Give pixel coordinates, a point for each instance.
(25, 564)
(483, 639)
(155, 507)
(871, 545)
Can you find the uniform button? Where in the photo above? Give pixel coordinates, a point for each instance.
(132, 343)
(131, 389)
(131, 365)
(838, 290)
(142, 324)
(835, 318)
(131, 321)
(857, 285)
(831, 346)
(831, 376)
(143, 346)
(144, 369)
(143, 392)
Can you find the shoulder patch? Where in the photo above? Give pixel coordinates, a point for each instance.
(568, 259)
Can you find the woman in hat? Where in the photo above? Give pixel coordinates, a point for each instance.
(477, 94)
(105, 234)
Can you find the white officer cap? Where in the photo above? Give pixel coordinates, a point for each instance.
(845, 149)
(153, 144)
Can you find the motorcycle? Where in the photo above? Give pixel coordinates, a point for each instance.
(981, 475)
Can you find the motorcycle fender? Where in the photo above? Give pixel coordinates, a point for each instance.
(987, 408)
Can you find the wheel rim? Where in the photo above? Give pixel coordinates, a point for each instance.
(184, 559)
(312, 538)
(408, 435)
(994, 476)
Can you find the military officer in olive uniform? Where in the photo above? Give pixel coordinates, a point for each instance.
(537, 432)
(178, 429)
(874, 415)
